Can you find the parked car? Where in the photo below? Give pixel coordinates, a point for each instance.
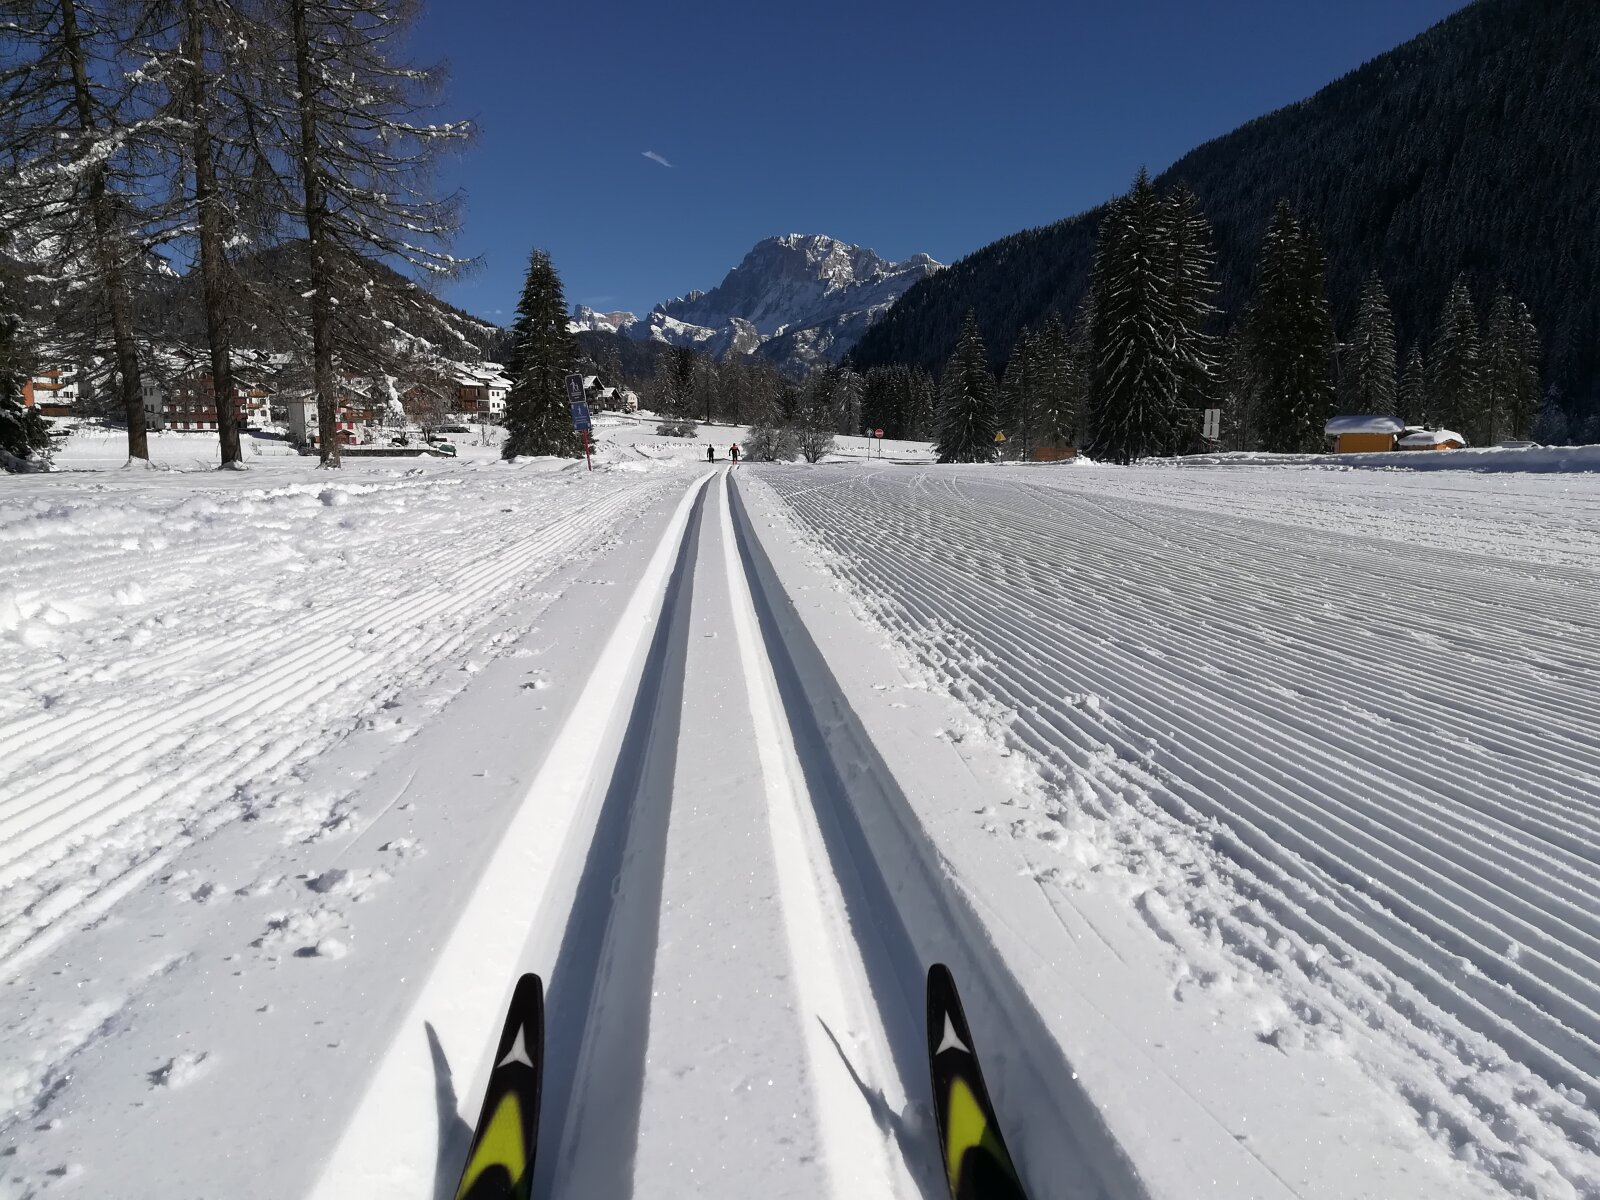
(448, 449)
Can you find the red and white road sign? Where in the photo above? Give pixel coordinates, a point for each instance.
(877, 433)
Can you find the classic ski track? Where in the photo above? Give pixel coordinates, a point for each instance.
(515, 913)
(829, 984)
(1435, 873)
(902, 912)
(601, 975)
(44, 813)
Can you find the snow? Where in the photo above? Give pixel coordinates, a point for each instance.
(1431, 437)
(1364, 424)
(1253, 807)
(1515, 459)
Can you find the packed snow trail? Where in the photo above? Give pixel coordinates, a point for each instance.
(1301, 742)
(637, 1101)
(539, 871)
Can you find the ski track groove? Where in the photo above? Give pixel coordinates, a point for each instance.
(1210, 632)
(56, 796)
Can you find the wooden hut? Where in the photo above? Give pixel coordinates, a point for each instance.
(1432, 439)
(1364, 434)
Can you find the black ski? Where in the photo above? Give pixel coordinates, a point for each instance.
(976, 1162)
(500, 1164)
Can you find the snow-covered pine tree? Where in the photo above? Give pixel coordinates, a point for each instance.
(1239, 393)
(200, 74)
(1019, 397)
(538, 420)
(1529, 395)
(1372, 353)
(24, 438)
(1135, 379)
(1455, 368)
(969, 401)
(920, 406)
(1291, 337)
(1411, 398)
(1511, 383)
(1061, 386)
(1194, 287)
(73, 193)
(363, 149)
(1502, 360)
(880, 402)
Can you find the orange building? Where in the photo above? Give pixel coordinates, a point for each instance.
(1364, 434)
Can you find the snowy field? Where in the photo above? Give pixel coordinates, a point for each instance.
(1256, 809)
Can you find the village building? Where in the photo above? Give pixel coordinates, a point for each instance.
(1364, 434)
(356, 416)
(54, 390)
(190, 404)
(481, 391)
(602, 398)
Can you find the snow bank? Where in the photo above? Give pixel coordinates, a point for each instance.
(1532, 459)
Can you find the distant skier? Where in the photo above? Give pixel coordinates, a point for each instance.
(711, 454)
(733, 452)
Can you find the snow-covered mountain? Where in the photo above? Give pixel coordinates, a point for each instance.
(799, 300)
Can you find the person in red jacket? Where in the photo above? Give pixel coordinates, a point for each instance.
(733, 452)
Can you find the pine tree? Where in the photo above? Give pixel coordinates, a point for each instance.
(363, 144)
(1291, 338)
(1529, 394)
(969, 408)
(1194, 288)
(24, 438)
(1372, 353)
(921, 405)
(1240, 419)
(538, 420)
(1136, 378)
(880, 399)
(1019, 397)
(1412, 397)
(1455, 374)
(75, 189)
(1502, 370)
(1060, 386)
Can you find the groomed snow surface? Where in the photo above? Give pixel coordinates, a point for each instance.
(1256, 809)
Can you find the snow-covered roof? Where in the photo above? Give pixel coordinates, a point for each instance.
(1432, 437)
(589, 381)
(1363, 424)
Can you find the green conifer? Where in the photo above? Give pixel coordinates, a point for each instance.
(543, 352)
(1455, 368)
(1412, 396)
(969, 401)
(1372, 353)
(1291, 338)
(1136, 381)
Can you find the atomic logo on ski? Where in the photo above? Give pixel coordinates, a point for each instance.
(977, 1164)
(500, 1163)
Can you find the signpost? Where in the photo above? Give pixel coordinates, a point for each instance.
(878, 433)
(1212, 430)
(580, 413)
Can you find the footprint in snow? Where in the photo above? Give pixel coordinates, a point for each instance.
(179, 1070)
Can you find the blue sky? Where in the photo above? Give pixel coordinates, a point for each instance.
(906, 126)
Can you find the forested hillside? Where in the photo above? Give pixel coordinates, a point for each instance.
(1475, 148)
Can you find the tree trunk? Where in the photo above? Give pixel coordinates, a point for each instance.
(316, 240)
(112, 275)
(208, 202)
